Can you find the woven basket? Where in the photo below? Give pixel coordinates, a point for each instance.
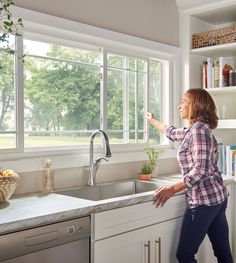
(214, 37)
(7, 186)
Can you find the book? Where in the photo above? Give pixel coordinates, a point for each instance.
(224, 161)
(216, 73)
(233, 153)
(209, 73)
(235, 165)
(220, 157)
(228, 161)
(230, 152)
(204, 75)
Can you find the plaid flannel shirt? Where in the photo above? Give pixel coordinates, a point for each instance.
(197, 157)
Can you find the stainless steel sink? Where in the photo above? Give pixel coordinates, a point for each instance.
(110, 190)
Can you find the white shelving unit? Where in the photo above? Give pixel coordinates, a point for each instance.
(201, 16)
(223, 96)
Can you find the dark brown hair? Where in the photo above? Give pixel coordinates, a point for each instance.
(202, 107)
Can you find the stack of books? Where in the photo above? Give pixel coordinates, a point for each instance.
(215, 72)
(227, 159)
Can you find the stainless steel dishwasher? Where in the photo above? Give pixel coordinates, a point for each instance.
(64, 242)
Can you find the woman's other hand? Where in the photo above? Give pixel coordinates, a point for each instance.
(162, 194)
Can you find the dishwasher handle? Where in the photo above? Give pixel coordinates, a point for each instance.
(40, 238)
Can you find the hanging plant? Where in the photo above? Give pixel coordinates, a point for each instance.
(8, 26)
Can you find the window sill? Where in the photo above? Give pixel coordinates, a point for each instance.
(33, 161)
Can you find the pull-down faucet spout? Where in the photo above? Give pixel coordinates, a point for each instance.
(93, 166)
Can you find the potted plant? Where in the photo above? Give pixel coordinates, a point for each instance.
(149, 166)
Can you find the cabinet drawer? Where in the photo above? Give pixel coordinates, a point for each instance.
(128, 218)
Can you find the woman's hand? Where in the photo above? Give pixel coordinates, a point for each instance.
(157, 124)
(162, 194)
(149, 116)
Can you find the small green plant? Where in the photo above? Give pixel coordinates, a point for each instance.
(146, 169)
(153, 156)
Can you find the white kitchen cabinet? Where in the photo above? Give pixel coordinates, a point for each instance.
(129, 247)
(131, 234)
(113, 222)
(154, 244)
(164, 241)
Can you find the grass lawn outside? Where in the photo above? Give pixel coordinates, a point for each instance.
(53, 141)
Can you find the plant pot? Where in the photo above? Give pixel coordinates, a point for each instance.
(145, 177)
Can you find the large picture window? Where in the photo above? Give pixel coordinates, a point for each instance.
(54, 91)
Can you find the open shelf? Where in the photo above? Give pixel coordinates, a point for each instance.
(224, 50)
(224, 90)
(227, 124)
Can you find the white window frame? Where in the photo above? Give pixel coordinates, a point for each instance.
(37, 24)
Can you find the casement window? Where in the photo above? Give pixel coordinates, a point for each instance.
(53, 94)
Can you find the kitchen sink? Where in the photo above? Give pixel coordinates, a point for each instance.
(110, 190)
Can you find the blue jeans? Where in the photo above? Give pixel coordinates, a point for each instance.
(198, 222)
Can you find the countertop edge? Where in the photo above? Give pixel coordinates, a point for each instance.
(15, 221)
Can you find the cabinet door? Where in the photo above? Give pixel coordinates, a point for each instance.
(164, 240)
(131, 247)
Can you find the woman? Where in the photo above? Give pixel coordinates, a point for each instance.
(206, 194)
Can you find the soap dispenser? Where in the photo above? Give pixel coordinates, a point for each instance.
(48, 177)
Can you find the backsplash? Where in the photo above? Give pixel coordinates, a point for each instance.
(32, 182)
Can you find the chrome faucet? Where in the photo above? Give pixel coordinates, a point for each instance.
(93, 166)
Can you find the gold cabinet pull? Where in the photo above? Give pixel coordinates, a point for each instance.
(158, 248)
(148, 246)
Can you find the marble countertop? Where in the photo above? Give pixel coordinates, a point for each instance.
(37, 209)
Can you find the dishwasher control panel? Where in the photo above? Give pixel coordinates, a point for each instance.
(40, 238)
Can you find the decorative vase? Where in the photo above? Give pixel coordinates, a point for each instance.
(155, 171)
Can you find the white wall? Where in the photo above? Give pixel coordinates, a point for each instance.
(155, 20)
